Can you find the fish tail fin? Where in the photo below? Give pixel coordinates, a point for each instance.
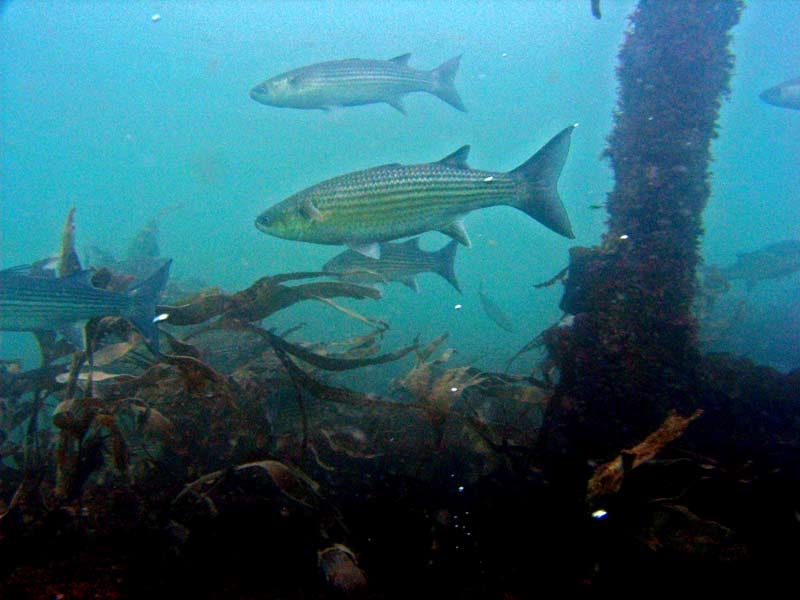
(445, 261)
(145, 298)
(444, 83)
(537, 179)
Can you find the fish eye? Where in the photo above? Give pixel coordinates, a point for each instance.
(266, 220)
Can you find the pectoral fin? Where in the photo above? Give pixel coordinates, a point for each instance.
(309, 211)
(398, 104)
(370, 250)
(456, 231)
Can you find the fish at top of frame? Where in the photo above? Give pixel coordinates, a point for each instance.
(357, 81)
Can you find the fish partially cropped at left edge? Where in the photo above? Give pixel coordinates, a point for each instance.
(30, 301)
(364, 208)
(356, 81)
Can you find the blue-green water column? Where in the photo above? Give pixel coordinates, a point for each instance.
(632, 353)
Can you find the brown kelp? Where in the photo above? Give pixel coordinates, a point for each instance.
(608, 477)
(266, 296)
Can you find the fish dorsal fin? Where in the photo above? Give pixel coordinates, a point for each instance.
(456, 231)
(457, 159)
(402, 59)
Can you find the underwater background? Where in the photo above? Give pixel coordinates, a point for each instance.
(128, 119)
(320, 454)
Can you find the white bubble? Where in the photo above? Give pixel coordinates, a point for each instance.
(161, 317)
(155, 18)
(599, 514)
(461, 488)
(624, 236)
(457, 307)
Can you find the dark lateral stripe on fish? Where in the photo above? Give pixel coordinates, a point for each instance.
(408, 190)
(376, 78)
(413, 203)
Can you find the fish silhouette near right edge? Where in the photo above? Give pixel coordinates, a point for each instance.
(785, 95)
(774, 261)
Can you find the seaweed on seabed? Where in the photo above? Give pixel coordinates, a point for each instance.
(132, 425)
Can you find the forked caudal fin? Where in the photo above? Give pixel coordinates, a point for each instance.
(537, 179)
(145, 298)
(445, 264)
(444, 83)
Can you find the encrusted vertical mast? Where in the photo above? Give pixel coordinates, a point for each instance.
(632, 353)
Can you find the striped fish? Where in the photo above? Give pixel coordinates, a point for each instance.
(355, 81)
(398, 262)
(394, 201)
(34, 302)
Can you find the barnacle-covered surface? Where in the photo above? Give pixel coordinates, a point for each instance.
(634, 331)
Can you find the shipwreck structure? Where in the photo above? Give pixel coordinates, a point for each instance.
(632, 354)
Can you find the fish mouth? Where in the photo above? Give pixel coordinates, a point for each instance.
(259, 94)
(264, 222)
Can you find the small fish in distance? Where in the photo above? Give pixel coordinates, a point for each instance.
(398, 262)
(494, 312)
(773, 261)
(36, 303)
(356, 81)
(390, 202)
